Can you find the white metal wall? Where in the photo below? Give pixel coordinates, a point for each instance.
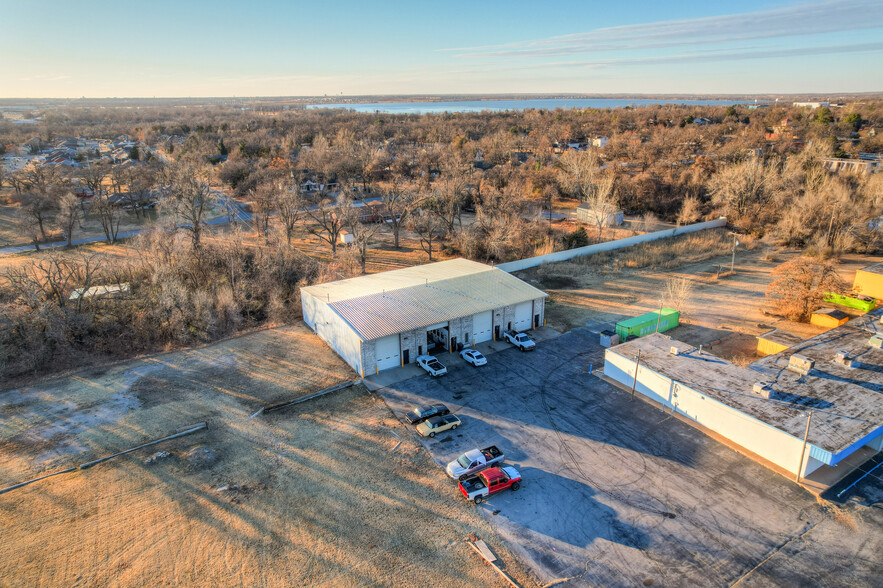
(758, 437)
(332, 329)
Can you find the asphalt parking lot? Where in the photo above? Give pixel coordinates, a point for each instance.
(616, 493)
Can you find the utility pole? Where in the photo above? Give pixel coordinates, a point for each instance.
(803, 452)
(733, 260)
(637, 366)
(659, 318)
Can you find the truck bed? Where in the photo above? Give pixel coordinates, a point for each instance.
(491, 452)
(472, 483)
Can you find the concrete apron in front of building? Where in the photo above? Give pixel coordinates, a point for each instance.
(450, 360)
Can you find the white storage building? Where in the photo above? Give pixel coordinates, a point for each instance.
(385, 320)
(764, 408)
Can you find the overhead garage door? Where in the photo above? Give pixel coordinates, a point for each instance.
(522, 316)
(482, 329)
(387, 352)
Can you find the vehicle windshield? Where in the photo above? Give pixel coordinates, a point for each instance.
(464, 461)
(477, 355)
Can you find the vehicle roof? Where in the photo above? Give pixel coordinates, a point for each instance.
(492, 474)
(473, 454)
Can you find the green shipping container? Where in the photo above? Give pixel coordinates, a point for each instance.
(857, 301)
(646, 323)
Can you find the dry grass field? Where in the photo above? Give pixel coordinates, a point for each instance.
(331, 492)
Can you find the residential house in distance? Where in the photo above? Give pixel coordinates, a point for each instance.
(853, 166)
(589, 214)
(810, 104)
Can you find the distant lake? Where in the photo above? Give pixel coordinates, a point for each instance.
(500, 105)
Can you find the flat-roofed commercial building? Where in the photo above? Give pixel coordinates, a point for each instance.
(764, 408)
(385, 320)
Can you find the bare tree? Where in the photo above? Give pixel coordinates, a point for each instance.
(678, 293)
(53, 279)
(68, 216)
(41, 178)
(430, 227)
(17, 181)
(690, 211)
(800, 286)
(328, 222)
(190, 198)
(743, 190)
(93, 176)
(264, 200)
(399, 200)
(140, 181)
(39, 207)
(289, 203)
(28, 228)
(601, 199)
(583, 169)
(362, 234)
(109, 215)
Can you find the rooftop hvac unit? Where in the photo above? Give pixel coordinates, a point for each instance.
(762, 389)
(674, 350)
(876, 341)
(800, 364)
(842, 357)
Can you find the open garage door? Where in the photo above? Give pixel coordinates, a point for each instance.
(482, 326)
(523, 313)
(387, 352)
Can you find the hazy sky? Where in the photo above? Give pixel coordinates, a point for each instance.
(260, 48)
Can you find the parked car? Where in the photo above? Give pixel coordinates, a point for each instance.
(474, 461)
(421, 413)
(489, 482)
(432, 366)
(438, 424)
(520, 340)
(474, 357)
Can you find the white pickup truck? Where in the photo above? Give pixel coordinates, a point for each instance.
(520, 340)
(474, 461)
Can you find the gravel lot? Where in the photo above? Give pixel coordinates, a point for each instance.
(617, 494)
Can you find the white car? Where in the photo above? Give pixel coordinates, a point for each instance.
(474, 357)
(432, 366)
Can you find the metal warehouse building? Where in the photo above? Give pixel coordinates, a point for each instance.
(765, 408)
(385, 320)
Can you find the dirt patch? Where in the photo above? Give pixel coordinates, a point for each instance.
(723, 312)
(332, 492)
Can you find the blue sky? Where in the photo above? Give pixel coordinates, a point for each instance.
(289, 48)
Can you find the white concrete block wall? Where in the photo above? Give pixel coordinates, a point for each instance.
(771, 443)
(514, 266)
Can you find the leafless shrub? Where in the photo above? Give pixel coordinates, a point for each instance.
(679, 294)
